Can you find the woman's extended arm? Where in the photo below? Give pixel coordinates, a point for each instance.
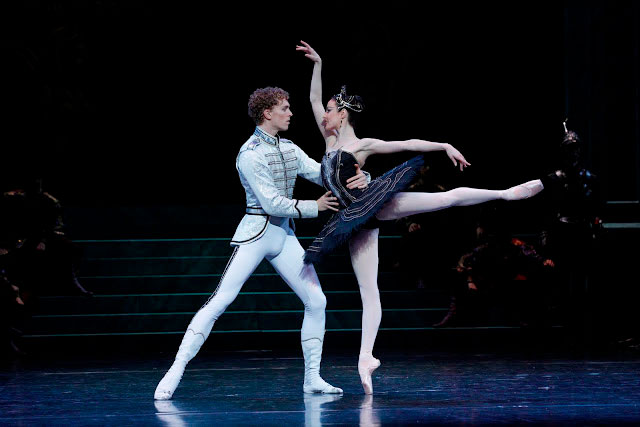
(315, 94)
(369, 146)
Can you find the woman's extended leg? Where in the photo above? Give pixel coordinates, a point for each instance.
(364, 258)
(406, 204)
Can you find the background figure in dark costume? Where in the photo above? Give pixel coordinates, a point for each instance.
(42, 241)
(36, 257)
(45, 260)
(502, 279)
(572, 228)
(11, 310)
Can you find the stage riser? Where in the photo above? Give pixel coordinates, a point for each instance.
(158, 284)
(188, 266)
(474, 339)
(126, 304)
(191, 247)
(231, 321)
(151, 288)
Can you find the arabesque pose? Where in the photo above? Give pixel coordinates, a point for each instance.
(383, 199)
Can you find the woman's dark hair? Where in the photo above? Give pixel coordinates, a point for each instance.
(353, 103)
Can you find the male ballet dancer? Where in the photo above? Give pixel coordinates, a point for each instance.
(268, 166)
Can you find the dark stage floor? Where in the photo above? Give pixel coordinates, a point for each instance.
(265, 388)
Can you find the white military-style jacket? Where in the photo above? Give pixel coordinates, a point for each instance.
(268, 167)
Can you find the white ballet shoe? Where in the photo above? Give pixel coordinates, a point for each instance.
(523, 191)
(191, 343)
(366, 365)
(319, 385)
(313, 383)
(167, 386)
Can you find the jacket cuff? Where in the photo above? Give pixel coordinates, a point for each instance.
(307, 208)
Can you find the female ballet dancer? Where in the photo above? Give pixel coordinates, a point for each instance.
(356, 222)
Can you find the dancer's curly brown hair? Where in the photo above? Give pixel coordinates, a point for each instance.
(263, 99)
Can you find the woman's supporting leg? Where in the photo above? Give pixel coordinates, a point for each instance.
(406, 204)
(364, 257)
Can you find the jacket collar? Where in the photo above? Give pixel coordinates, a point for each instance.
(264, 136)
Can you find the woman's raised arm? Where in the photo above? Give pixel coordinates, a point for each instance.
(315, 93)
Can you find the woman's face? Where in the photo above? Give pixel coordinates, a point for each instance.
(332, 118)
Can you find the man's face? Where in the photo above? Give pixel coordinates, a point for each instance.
(280, 115)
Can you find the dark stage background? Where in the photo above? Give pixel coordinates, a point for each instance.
(137, 103)
(133, 112)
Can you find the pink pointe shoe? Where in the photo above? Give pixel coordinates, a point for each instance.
(523, 191)
(366, 365)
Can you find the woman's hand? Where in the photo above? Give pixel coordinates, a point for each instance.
(327, 202)
(309, 52)
(359, 180)
(456, 157)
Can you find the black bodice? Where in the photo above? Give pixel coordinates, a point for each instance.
(358, 208)
(337, 167)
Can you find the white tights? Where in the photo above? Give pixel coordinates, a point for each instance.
(281, 247)
(363, 246)
(364, 259)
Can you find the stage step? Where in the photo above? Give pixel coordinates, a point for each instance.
(172, 302)
(157, 285)
(254, 320)
(621, 211)
(207, 283)
(192, 265)
(148, 287)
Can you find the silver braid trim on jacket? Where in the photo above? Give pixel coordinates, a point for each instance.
(268, 168)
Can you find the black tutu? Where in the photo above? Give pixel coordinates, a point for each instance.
(359, 207)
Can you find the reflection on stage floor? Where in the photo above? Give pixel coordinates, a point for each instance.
(265, 388)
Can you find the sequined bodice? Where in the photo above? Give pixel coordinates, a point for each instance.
(337, 167)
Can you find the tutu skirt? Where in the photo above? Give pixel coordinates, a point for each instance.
(362, 211)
